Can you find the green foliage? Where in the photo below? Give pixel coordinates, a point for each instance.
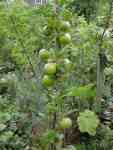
(88, 122)
(48, 137)
(87, 91)
(104, 138)
(88, 8)
(27, 108)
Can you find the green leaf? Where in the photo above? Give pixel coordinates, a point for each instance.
(80, 147)
(6, 136)
(86, 91)
(88, 122)
(2, 127)
(4, 116)
(48, 137)
(63, 2)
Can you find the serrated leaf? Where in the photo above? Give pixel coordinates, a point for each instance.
(88, 122)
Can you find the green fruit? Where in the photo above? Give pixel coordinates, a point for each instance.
(65, 39)
(44, 54)
(50, 68)
(65, 26)
(67, 64)
(47, 81)
(66, 123)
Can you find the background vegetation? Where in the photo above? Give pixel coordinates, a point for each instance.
(70, 106)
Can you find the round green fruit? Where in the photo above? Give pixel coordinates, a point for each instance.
(65, 26)
(47, 81)
(66, 123)
(67, 64)
(44, 54)
(50, 68)
(65, 39)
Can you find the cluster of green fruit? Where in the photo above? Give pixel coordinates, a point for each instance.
(65, 37)
(52, 67)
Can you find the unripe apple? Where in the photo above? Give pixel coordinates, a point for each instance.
(47, 81)
(66, 123)
(44, 54)
(65, 39)
(50, 68)
(67, 64)
(65, 25)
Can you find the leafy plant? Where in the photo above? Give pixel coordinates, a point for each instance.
(51, 54)
(87, 91)
(88, 122)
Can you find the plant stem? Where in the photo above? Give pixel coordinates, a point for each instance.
(100, 68)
